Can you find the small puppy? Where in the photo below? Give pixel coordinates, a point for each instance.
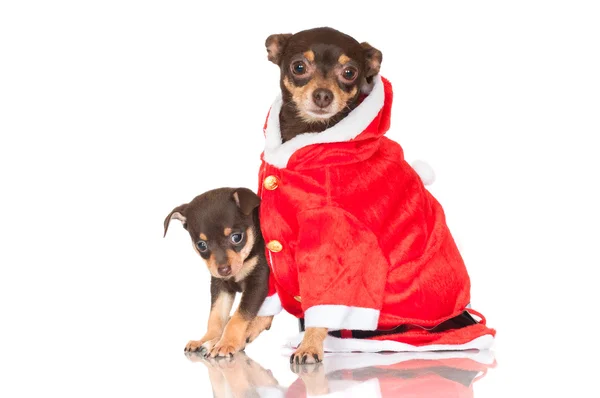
(223, 225)
(323, 74)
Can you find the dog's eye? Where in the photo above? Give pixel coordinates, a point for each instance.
(236, 239)
(349, 74)
(202, 246)
(299, 68)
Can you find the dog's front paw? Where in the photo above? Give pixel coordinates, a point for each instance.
(226, 347)
(193, 345)
(207, 346)
(306, 354)
(257, 326)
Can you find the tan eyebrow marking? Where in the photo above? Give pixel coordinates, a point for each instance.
(344, 59)
(203, 237)
(227, 231)
(309, 55)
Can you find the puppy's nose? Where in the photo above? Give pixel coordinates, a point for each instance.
(224, 271)
(322, 97)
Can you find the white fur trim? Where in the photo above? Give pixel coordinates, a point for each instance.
(334, 344)
(271, 306)
(336, 317)
(278, 154)
(425, 171)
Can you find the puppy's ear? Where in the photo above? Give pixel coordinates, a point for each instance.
(373, 58)
(177, 213)
(275, 45)
(246, 200)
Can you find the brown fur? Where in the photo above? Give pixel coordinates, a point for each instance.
(217, 319)
(218, 214)
(326, 53)
(233, 338)
(257, 326)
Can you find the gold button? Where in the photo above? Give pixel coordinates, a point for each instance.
(275, 246)
(298, 299)
(271, 183)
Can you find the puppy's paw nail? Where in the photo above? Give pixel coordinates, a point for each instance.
(316, 357)
(304, 358)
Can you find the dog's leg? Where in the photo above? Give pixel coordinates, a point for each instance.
(222, 301)
(234, 336)
(257, 326)
(311, 348)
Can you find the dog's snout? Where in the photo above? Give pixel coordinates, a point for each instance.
(224, 270)
(322, 97)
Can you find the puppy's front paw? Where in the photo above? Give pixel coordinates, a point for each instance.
(207, 346)
(226, 347)
(193, 345)
(257, 326)
(200, 345)
(306, 354)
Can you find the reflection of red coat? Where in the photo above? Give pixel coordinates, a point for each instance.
(355, 241)
(443, 377)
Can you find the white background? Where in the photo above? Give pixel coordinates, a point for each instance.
(114, 112)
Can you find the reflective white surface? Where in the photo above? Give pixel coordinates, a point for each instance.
(353, 375)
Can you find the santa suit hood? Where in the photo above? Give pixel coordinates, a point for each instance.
(356, 242)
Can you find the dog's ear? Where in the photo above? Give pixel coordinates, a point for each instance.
(373, 58)
(177, 213)
(275, 45)
(246, 200)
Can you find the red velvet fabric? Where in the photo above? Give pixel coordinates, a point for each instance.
(358, 228)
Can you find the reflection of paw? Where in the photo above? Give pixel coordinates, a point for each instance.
(257, 326)
(195, 356)
(307, 354)
(226, 347)
(314, 378)
(306, 369)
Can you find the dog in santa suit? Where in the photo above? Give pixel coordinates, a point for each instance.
(359, 249)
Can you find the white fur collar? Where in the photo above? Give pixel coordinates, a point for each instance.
(278, 154)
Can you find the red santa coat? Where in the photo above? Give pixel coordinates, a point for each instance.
(354, 239)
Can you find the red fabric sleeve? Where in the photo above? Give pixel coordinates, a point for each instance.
(342, 270)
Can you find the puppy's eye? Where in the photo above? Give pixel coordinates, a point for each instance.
(349, 74)
(299, 68)
(236, 239)
(202, 246)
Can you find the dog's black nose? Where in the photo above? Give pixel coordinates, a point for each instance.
(322, 97)
(224, 271)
